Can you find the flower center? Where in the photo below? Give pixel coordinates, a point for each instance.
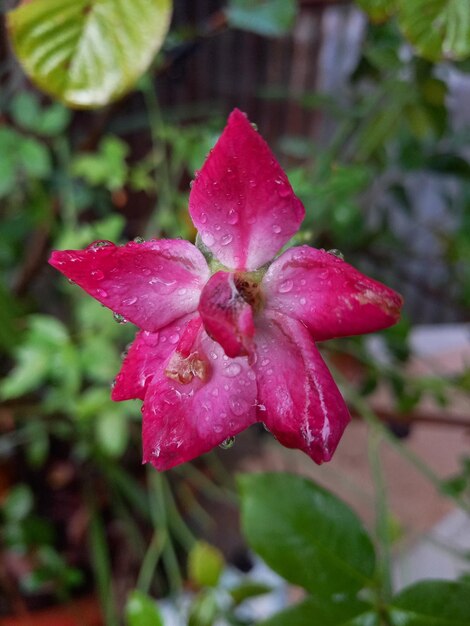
(247, 284)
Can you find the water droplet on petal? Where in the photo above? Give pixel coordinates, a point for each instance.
(97, 274)
(203, 218)
(303, 301)
(226, 239)
(276, 229)
(100, 243)
(218, 428)
(232, 217)
(208, 239)
(286, 286)
(120, 319)
(101, 293)
(238, 405)
(129, 301)
(337, 253)
(227, 443)
(174, 338)
(232, 370)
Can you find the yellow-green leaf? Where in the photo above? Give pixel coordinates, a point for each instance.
(438, 29)
(87, 53)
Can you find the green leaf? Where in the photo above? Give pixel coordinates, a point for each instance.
(248, 589)
(107, 167)
(437, 28)
(204, 609)
(141, 610)
(271, 18)
(18, 503)
(87, 53)
(314, 612)
(112, 433)
(306, 534)
(205, 564)
(377, 10)
(432, 603)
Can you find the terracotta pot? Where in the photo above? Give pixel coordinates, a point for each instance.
(84, 612)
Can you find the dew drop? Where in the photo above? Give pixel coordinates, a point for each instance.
(97, 274)
(227, 443)
(336, 253)
(174, 338)
(218, 428)
(203, 218)
(232, 370)
(146, 271)
(71, 282)
(181, 291)
(100, 243)
(238, 405)
(120, 319)
(286, 286)
(101, 293)
(226, 239)
(129, 301)
(208, 239)
(303, 301)
(232, 217)
(252, 183)
(284, 192)
(276, 229)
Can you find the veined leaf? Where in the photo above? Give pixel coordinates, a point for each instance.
(87, 53)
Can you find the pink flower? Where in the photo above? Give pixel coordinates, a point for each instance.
(228, 333)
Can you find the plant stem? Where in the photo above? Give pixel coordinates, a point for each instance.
(381, 523)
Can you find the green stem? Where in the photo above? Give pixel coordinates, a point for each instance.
(151, 559)
(381, 523)
(369, 416)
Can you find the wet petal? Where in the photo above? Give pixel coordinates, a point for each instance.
(298, 399)
(241, 202)
(145, 357)
(329, 296)
(150, 284)
(226, 316)
(184, 420)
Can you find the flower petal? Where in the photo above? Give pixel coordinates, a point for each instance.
(182, 421)
(241, 201)
(226, 316)
(298, 399)
(145, 357)
(150, 284)
(329, 296)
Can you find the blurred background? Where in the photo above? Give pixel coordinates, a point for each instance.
(375, 140)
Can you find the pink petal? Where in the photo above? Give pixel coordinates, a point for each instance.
(150, 284)
(298, 399)
(241, 202)
(145, 357)
(329, 296)
(182, 421)
(226, 316)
